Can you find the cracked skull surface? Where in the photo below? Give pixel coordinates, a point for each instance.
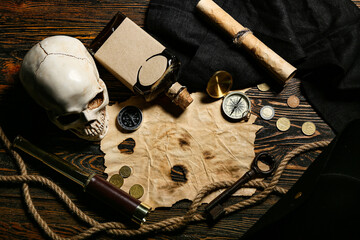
(61, 76)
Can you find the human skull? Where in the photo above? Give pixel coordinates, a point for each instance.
(62, 77)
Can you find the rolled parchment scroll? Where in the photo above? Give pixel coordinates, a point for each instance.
(281, 70)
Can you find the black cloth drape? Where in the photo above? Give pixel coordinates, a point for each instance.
(328, 207)
(321, 38)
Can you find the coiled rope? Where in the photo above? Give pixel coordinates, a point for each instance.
(166, 225)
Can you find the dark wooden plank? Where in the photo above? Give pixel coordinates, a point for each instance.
(23, 23)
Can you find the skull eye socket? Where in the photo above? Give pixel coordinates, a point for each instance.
(69, 118)
(96, 101)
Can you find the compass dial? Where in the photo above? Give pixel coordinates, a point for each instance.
(130, 118)
(236, 105)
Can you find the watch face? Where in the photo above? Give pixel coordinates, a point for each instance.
(130, 118)
(236, 105)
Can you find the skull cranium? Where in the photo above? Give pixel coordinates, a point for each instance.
(62, 77)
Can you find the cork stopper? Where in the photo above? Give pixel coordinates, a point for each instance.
(179, 95)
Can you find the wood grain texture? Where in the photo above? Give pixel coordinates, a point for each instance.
(24, 23)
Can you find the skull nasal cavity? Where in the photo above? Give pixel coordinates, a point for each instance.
(96, 101)
(69, 118)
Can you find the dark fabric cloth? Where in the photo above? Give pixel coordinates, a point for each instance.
(321, 38)
(329, 205)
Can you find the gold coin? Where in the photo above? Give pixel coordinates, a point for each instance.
(219, 84)
(117, 180)
(293, 101)
(137, 191)
(125, 171)
(263, 87)
(308, 128)
(283, 124)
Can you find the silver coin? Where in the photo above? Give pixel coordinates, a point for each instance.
(267, 112)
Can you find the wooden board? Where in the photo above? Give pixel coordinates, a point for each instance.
(24, 23)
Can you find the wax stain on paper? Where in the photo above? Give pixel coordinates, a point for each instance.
(176, 154)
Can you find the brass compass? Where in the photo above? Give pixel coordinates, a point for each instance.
(219, 84)
(236, 106)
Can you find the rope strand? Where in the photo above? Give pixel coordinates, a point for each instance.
(166, 225)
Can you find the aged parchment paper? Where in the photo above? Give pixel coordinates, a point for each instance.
(199, 139)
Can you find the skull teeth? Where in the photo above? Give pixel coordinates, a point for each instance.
(97, 127)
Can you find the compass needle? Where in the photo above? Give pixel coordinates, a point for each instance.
(239, 100)
(233, 110)
(132, 120)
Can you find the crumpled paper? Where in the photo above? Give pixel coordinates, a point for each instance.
(208, 147)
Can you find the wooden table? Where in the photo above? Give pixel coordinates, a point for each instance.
(24, 23)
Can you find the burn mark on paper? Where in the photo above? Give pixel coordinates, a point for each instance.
(232, 170)
(235, 170)
(127, 146)
(184, 141)
(178, 173)
(171, 187)
(208, 155)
